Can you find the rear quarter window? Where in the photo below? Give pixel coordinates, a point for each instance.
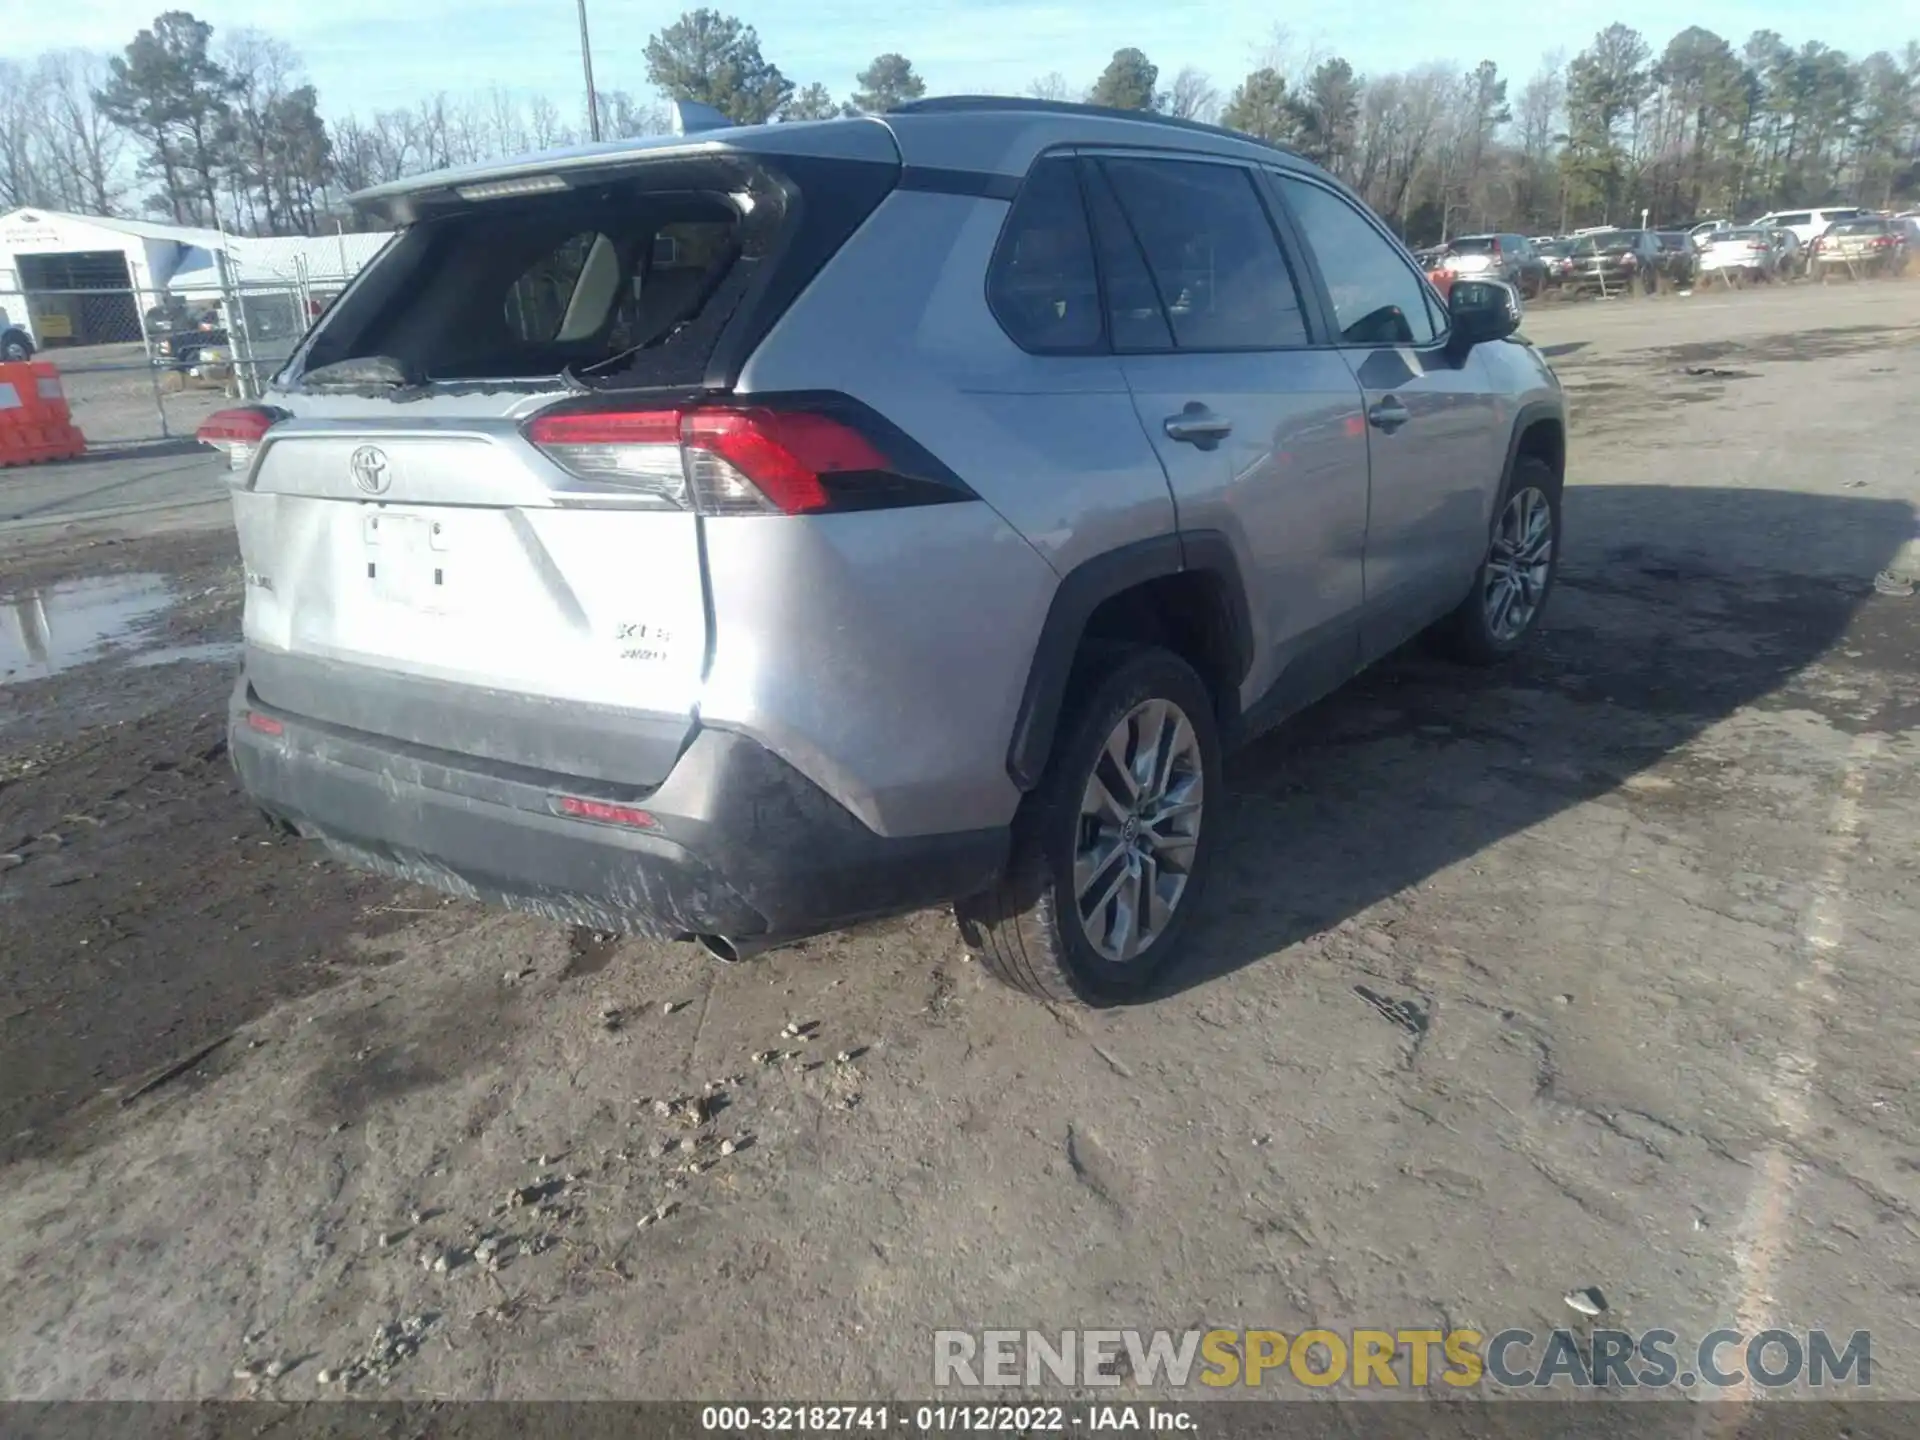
(1041, 283)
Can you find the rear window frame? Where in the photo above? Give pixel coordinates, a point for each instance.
(823, 200)
(598, 210)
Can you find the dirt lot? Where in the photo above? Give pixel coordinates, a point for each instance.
(1638, 913)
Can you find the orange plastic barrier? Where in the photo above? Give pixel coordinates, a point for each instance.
(35, 421)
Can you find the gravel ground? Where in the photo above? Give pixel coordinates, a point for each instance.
(1591, 971)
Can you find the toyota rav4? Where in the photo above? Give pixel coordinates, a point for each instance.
(737, 534)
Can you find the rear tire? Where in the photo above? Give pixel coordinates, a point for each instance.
(1515, 579)
(16, 349)
(1111, 852)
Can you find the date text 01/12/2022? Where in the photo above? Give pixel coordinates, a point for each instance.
(937, 1419)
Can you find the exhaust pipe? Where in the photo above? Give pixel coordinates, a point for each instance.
(732, 952)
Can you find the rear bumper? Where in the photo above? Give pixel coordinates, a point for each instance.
(742, 844)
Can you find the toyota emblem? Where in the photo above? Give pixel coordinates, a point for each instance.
(371, 472)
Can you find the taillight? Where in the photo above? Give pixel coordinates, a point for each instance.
(238, 432)
(1496, 249)
(791, 456)
(265, 724)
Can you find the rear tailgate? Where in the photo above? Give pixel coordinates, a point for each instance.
(468, 607)
(417, 568)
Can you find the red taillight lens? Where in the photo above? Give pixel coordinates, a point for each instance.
(607, 427)
(781, 458)
(604, 813)
(265, 724)
(238, 432)
(737, 460)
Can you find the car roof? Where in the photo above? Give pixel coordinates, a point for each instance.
(985, 135)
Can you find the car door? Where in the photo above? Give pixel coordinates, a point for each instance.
(1436, 431)
(1259, 428)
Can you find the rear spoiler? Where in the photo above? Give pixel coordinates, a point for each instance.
(699, 133)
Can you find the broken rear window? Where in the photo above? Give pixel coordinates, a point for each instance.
(529, 289)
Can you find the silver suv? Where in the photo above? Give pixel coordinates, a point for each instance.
(735, 535)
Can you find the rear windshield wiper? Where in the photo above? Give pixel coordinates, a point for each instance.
(362, 372)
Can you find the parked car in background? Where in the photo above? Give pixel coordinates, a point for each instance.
(1870, 245)
(1498, 257)
(1746, 253)
(16, 341)
(715, 597)
(1909, 227)
(1557, 256)
(1611, 261)
(1808, 225)
(183, 338)
(1703, 233)
(1678, 259)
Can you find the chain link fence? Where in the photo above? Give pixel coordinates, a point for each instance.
(143, 365)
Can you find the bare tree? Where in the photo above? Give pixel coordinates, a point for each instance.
(544, 125)
(1052, 86)
(622, 118)
(1193, 96)
(22, 177)
(87, 150)
(261, 70)
(502, 129)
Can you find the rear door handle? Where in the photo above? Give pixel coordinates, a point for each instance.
(1388, 415)
(1199, 426)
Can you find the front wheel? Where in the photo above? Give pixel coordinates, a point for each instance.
(1111, 852)
(16, 349)
(1517, 575)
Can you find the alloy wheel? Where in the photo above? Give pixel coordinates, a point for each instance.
(1519, 565)
(1139, 827)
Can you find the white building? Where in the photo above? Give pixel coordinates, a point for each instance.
(84, 280)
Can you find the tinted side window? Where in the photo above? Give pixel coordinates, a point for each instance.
(1211, 248)
(1041, 283)
(1377, 297)
(1134, 317)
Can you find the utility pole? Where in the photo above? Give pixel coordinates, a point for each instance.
(586, 64)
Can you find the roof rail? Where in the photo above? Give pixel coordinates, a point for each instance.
(1019, 104)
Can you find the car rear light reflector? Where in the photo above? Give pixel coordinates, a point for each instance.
(735, 460)
(265, 724)
(239, 431)
(604, 813)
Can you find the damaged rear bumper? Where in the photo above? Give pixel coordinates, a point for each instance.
(739, 843)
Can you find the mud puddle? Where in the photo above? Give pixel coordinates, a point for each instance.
(47, 630)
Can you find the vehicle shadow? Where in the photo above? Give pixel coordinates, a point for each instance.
(1675, 607)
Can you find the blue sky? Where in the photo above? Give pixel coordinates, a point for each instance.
(370, 54)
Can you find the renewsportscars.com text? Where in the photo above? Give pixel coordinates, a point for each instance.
(1380, 1359)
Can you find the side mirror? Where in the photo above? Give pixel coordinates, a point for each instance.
(1482, 310)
